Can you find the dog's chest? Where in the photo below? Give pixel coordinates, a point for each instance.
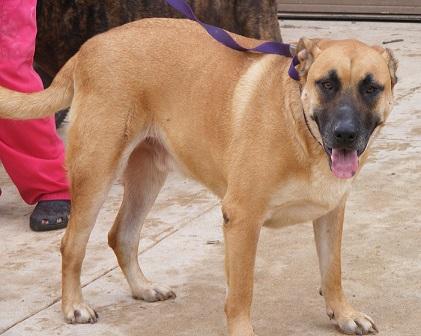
(298, 201)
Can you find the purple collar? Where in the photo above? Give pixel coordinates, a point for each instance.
(223, 37)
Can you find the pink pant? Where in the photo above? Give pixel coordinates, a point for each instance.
(31, 151)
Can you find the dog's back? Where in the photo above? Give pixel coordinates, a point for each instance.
(63, 26)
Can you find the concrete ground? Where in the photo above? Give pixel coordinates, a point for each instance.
(182, 243)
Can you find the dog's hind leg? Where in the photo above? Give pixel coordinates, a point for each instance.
(93, 156)
(144, 176)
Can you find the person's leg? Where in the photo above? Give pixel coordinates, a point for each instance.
(31, 151)
(33, 156)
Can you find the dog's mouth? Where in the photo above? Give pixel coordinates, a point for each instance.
(344, 163)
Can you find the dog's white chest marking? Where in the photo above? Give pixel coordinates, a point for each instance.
(298, 201)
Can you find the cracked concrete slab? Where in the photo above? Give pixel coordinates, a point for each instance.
(381, 255)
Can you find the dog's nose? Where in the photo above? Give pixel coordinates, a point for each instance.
(345, 133)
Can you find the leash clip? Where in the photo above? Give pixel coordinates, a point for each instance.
(293, 50)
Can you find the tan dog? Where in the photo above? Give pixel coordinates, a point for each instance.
(274, 150)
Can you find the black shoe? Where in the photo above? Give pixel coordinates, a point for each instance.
(50, 215)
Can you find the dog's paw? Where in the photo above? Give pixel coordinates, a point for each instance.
(153, 293)
(80, 313)
(352, 322)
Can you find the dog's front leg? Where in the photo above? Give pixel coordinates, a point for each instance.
(241, 231)
(328, 235)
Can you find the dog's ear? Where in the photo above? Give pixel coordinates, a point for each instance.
(306, 52)
(391, 61)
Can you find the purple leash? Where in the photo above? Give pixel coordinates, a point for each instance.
(223, 37)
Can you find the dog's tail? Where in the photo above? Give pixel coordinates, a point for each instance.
(17, 105)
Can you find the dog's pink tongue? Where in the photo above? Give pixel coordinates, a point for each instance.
(344, 163)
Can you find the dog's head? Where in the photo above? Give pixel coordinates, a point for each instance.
(346, 94)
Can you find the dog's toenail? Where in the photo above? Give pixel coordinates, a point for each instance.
(225, 217)
(77, 314)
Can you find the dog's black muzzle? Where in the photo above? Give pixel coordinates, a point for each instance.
(342, 129)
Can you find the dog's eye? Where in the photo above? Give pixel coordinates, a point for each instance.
(327, 85)
(371, 90)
